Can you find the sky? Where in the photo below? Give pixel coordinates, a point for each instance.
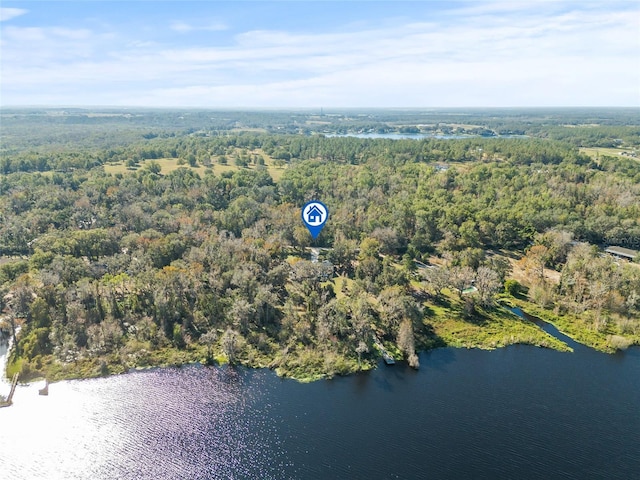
(305, 54)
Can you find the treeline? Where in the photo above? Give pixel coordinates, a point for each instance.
(497, 195)
(205, 150)
(592, 136)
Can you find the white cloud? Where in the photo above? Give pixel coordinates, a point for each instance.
(44, 49)
(9, 13)
(571, 57)
(183, 27)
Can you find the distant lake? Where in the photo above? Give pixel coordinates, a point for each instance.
(415, 136)
(398, 136)
(515, 413)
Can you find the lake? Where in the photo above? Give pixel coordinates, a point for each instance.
(417, 136)
(400, 136)
(520, 412)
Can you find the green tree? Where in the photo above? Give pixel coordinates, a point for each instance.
(153, 167)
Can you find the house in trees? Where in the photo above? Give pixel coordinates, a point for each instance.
(622, 253)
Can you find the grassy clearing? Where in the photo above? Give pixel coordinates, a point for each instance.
(168, 165)
(595, 152)
(342, 284)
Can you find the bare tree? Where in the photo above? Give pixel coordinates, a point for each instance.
(209, 339)
(535, 260)
(488, 284)
(599, 293)
(230, 344)
(461, 278)
(406, 343)
(241, 313)
(395, 306)
(438, 278)
(558, 243)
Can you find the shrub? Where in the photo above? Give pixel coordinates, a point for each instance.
(512, 287)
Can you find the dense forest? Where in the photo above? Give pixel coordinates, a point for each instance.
(144, 238)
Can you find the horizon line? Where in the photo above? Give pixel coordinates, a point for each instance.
(312, 108)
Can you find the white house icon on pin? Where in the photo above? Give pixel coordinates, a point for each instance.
(314, 215)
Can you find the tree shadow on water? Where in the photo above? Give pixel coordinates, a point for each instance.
(437, 359)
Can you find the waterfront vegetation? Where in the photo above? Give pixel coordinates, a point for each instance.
(490, 328)
(137, 243)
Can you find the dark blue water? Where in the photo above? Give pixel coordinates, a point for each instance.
(519, 412)
(515, 413)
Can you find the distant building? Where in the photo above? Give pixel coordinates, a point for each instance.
(621, 252)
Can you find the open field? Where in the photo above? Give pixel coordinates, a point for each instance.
(168, 165)
(595, 152)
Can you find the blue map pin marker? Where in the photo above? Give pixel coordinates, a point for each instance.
(314, 216)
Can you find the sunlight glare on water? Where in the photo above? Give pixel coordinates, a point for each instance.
(155, 424)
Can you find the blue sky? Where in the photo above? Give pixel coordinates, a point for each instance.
(302, 54)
